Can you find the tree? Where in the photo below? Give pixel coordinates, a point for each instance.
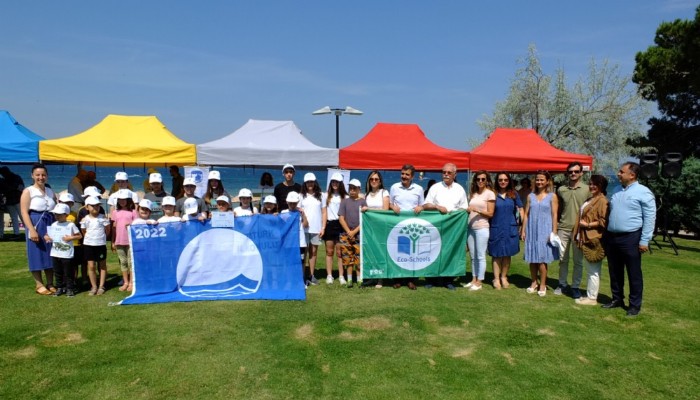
(600, 115)
(679, 199)
(669, 74)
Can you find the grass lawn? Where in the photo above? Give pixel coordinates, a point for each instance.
(356, 343)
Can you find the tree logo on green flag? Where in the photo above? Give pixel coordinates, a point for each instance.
(413, 244)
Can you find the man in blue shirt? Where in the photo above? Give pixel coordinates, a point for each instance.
(630, 228)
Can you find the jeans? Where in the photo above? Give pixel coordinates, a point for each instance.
(13, 210)
(478, 240)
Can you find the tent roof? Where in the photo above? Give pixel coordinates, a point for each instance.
(17, 143)
(266, 143)
(391, 146)
(121, 140)
(522, 150)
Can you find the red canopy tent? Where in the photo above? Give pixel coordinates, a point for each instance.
(522, 150)
(391, 146)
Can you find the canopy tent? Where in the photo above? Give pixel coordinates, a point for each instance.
(391, 146)
(522, 150)
(17, 143)
(121, 140)
(266, 144)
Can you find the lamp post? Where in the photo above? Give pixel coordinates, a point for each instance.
(338, 112)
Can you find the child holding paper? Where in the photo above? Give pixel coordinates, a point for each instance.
(61, 234)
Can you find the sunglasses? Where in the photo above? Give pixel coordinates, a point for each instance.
(374, 179)
(504, 180)
(574, 171)
(480, 179)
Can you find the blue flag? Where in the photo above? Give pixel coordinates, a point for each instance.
(191, 261)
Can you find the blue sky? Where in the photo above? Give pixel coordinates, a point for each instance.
(205, 68)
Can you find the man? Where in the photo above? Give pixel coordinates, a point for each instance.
(406, 196)
(178, 181)
(630, 228)
(189, 187)
(75, 188)
(283, 188)
(12, 191)
(446, 196)
(571, 197)
(525, 189)
(91, 180)
(156, 194)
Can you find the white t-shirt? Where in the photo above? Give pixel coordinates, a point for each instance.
(241, 212)
(451, 198)
(332, 208)
(165, 218)
(376, 200)
(95, 234)
(302, 237)
(141, 221)
(57, 231)
(313, 209)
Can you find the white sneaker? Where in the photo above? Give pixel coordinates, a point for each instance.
(559, 290)
(474, 288)
(342, 281)
(467, 285)
(329, 280)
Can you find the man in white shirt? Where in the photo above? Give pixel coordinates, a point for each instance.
(406, 196)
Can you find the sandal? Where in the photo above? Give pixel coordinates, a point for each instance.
(92, 291)
(123, 287)
(504, 283)
(42, 290)
(51, 289)
(100, 291)
(496, 284)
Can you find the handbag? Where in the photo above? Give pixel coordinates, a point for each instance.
(593, 250)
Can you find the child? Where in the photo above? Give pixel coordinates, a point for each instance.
(168, 205)
(246, 209)
(82, 212)
(121, 218)
(331, 226)
(349, 216)
(95, 229)
(313, 209)
(190, 209)
(64, 233)
(292, 203)
(223, 204)
(269, 205)
(78, 263)
(144, 214)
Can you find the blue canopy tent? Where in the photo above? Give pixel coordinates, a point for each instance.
(18, 145)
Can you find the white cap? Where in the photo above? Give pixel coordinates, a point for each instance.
(92, 201)
(124, 194)
(189, 181)
(337, 176)
(155, 178)
(61, 208)
(355, 182)
(245, 193)
(288, 166)
(190, 205)
(169, 201)
(270, 199)
(214, 175)
(309, 176)
(223, 198)
(66, 197)
(121, 176)
(292, 197)
(91, 191)
(145, 203)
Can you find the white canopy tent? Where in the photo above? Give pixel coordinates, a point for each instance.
(266, 144)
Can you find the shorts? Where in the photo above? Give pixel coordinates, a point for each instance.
(124, 254)
(333, 230)
(313, 238)
(95, 253)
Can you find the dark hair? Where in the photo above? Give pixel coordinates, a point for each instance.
(409, 167)
(474, 189)
(427, 188)
(37, 166)
(368, 188)
(214, 193)
(633, 167)
(175, 168)
(263, 209)
(547, 175)
(316, 190)
(510, 188)
(266, 179)
(573, 164)
(129, 204)
(601, 182)
(145, 208)
(526, 180)
(341, 191)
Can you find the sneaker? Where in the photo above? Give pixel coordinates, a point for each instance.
(560, 290)
(70, 293)
(575, 293)
(342, 281)
(329, 280)
(313, 280)
(450, 286)
(586, 301)
(59, 292)
(428, 286)
(467, 285)
(474, 288)
(349, 283)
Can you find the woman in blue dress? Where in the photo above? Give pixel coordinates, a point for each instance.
(539, 222)
(504, 241)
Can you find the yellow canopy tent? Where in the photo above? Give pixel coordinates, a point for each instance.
(121, 140)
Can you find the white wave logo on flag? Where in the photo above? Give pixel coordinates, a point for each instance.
(219, 263)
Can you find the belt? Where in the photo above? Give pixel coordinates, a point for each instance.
(623, 233)
(35, 211)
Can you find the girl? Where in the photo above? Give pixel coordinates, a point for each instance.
(144, 215)
(330, 227)
(95, 228)
(481, 206)
(349, 217)
(245, 209)
(292, 207)
(223, 204)
(190, 209)
(168, 205)
(215, 188)
(539, 223)
(503, 232)
(121, 218)
(377, 198)
(269, 205)
(313, 209)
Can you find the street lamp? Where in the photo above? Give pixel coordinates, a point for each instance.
(338, 112)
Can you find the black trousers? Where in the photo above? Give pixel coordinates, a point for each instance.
(622, 250)
(64, 272)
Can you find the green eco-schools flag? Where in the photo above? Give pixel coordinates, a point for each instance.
(429, 244)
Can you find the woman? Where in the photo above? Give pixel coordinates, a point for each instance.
(504, 241)
(35, 203)
(215, 188)
(266, 183)
(330, 227)
(313, 210)
(481, 205)
(377, 198)
(539, 223)
(589, 232)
